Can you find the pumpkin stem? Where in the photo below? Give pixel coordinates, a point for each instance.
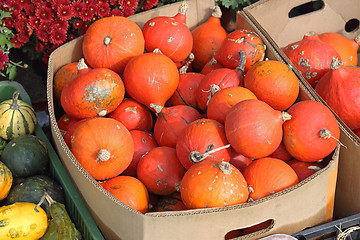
(178, 186)
(225, 167)
(103, 156)
(196, 157)
(14, 104)
(357, 39)
(325, 133)
(184, 68)
(285, 116)
(335, 63)
(216, 12)
(157, 50)
(183, 8)
(212, 61)
(107, 40)
(102, 113)
(81, 65)
(314, 168)
(41, 201)
(156, 107)
(242, 61)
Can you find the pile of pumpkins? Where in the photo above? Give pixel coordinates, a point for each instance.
(165, 118)
(31, 201)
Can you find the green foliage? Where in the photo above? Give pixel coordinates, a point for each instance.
(234, 4)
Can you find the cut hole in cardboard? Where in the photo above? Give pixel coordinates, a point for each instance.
(352, 25)
(306, 8)
(262, 226)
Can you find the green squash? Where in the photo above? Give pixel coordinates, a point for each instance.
(17, 118)
(33, 188)
(26, 156)
(3, 144)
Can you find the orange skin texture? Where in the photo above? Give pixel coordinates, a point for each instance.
(253, 128)
(205, 185)
(134, 115)
(347, 48)
(198, 136)
(92, 93)
(172, 37)
(305, 169)
(241, 39)
(221, 103)
(65, 122)
(340, 90)
(207, 39)
(239, 161)
(211, 66)
(301, 132)
(151, 78)
(171, 121)
(128, 190)
(268, 176)
(126, 42)
(92, 136)
(170, 204)
(143, 143)
(274, 83)
(62, 76)
(160, 171)
(185, 93)
(281, 153)
(311, 57)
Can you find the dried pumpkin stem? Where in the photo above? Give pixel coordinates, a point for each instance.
(212, 61)
(326, 134)
(41, 201)
(107, 40)
(14, 104)
(196, 156)
(216, 12)
(185, 68)
(103, 155)
(156, 107)
(81, 65)
(335, 63)
(183, 7)
(242, 61)
(285, 116)
(225, 167)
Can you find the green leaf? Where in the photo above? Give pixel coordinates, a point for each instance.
(11, 71)
(3, 41)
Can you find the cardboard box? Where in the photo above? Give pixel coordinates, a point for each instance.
(307, 204)
(280, 30)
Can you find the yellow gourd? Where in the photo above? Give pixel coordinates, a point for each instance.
(6, 180)
(22, 221)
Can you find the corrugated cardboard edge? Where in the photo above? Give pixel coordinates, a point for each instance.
(348, 179)
(211, 223)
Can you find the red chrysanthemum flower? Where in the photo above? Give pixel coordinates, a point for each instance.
(77, 8)
(16, 43)
(70, 37)
(4, 58)
(129, 7)
(9, 22)
(18, 14)
(58, 36)
(45, 14)
(14, 6)
(149, 4)
(77, 24)
(104, 9)
(24, 2)
(116, 12)
(84, 27)
(93, 9)
(88, 2)
(60, 24)
(43, 32)
(30, 10)
(20, 24)
(64, 12)
(22, 37)
(39, 47)
(86, 14)
(116, 3)
(34, 22)
(58, 3)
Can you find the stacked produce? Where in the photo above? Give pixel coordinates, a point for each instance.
(24, 182)
(186, 124)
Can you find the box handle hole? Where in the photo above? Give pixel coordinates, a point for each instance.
(259, 227)
(352, 25)
(306, 8)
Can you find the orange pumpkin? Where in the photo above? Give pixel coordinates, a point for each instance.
(211, 66)
(65, 122)
(211, 183)
(170, 203)
(281, 153)
(274, 83)
(238, 160)
(111, 42)
(267, 176)
(129, 191)
(305, 169)
(103, 157)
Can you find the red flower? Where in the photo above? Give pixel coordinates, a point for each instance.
(104, 9)
(129, 7)
(88, 2)
(24, 2)
(14, 6)
(44, 14)
(22, 37)
(71, 37)
(4, 58)
(43, 33)
(34, 22)
(77, 8)
(20, 24)
(84, 27)
(116, 3)
(149, 4)
(16, 43)
(9, 22)
(58, 36)
(77, 24)
(116, 12)
(39, 47)
(86, 14)
(64, 12)
(93, 9)
(59, 3)
(61, 24)
(30, 10)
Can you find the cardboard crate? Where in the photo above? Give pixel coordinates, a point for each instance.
(281, 30)
(307, 204)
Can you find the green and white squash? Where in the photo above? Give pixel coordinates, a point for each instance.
(17, 118)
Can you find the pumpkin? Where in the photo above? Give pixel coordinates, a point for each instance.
(221, 103)
(129, 190)
(23, 221)
(170, 203)
(202, 139)
(267, 176)
(6, 181)
(169, 34)
(171, 121)
(65, 122)
(65, 74)
(211, 66)
(357, 132)
(185, 93)
(25, 156)
(339, 88)
(103, 157)
(110, 42)
(241, 39)
(151, 78)
(3, 144)
(312, 133)
(305, 169)
(311, 56)
(207, 38)
(134, 115)
(281, 153)
(143, 143)
(254, 128)
(69, 133)
(161, 171)
(347, 48)
(239, 161)
(219, 79)
(211, 183)
(274, 83)
(97, 92)
(17, 118)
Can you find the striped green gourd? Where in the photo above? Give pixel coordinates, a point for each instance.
(16, 118)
